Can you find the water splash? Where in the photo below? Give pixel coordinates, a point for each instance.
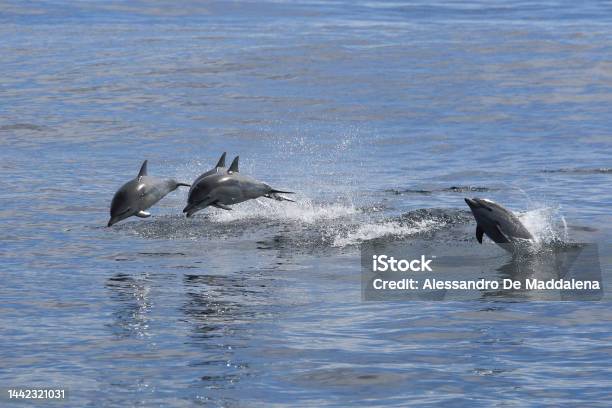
(304, 211)
(370, 231)
(304, 224)
(546, 224)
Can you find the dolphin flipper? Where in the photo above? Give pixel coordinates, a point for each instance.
(143, 214)
(221, 206)
(274, 196)
(479, 233)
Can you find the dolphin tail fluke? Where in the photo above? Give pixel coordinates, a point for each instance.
(273, 194)
(274, 191)
(221, 162)
(280, 198)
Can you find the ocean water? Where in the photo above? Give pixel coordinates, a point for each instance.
(382, 116)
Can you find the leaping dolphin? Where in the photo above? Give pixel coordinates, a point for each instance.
(223, 188)
(139, 194)
(499, 224)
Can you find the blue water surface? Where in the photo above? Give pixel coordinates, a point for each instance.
(374, 113)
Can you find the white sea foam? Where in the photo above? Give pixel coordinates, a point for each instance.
(342, 224)
(369, 231)
(304, 211)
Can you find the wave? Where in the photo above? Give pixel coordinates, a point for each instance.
(600, 170)
(21, 126)
(452, 189)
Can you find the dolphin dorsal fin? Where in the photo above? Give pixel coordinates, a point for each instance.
(143, 169)
(234, 166)
(221, 162)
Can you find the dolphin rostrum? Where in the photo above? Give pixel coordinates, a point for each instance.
(139, 194)
(499, 224)
(223, 188)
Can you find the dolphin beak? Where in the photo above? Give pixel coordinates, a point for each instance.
(110, 222)
(472, 203)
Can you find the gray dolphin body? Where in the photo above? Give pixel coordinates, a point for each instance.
(499, 224)
(221, 188)
(139, 194)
